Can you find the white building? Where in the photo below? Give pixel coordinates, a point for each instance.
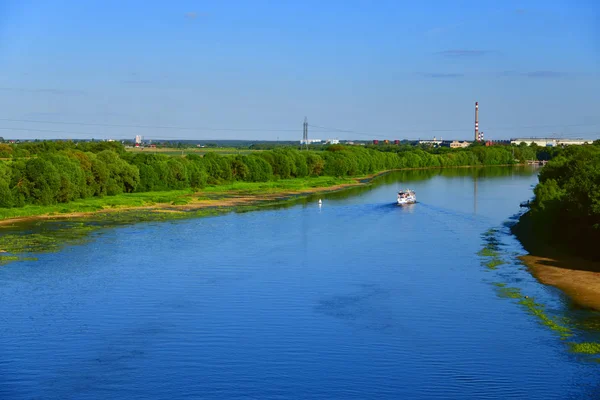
(333, 141)
(435, 142)
(551, 142)
(138, 139)
(309, 141)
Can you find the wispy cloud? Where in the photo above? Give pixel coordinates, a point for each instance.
(136, 82)
(535, 74)
(194, 14)
(61, 92)
(463, 53)
(442, 75)
(545, 74)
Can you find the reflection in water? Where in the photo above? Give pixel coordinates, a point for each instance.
(475, 195)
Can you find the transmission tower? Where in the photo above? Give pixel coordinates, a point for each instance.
(305, 133)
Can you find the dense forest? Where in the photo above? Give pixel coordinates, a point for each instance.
(50, 172)
(566, 210)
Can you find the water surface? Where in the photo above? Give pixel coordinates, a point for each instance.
(356, 299)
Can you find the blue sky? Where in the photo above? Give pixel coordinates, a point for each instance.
(254, 69)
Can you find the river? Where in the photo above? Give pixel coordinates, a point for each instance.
(354, 299)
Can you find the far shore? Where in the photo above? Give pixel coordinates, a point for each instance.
(225, 196)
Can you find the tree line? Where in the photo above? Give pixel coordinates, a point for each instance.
(565, 212)
(50, 172)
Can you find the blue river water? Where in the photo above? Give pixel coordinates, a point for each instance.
(355, 299)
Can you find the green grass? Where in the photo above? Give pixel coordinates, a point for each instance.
(281, 185)
(97, 203)
(173, 197)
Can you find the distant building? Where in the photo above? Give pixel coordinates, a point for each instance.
(375, 141)
(433, 142)
(396, 141)
(489, 143)
(309, 141)
(138, 140)
(551, 142)
(455, 144)
(333, 141)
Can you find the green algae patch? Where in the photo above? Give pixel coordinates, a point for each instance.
(558, 325)
(6, 259)
(494, 263)
(538, 311)
(499, 284)
(585, 348)
(44, 240)
(509, 293)
(487, 252)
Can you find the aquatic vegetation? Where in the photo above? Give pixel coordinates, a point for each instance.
(537, 310)
(508, 292)
(494, 263)
(6, 259)
(585, 348)
(557, 324)
(487, 252)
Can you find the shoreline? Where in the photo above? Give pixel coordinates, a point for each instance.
(224, 196)
(578, 278)
(227, 199)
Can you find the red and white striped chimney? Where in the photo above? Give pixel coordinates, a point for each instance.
(476, 121)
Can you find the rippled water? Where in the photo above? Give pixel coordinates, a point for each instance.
(356, 299)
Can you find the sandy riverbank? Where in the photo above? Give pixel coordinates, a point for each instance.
(579, 279)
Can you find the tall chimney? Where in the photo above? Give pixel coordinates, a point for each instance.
(476, 121)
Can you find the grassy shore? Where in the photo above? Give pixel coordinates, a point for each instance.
(577, 277)
(234, 194)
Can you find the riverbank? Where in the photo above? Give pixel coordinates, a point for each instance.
(185, 201)
(576, 277)
(175, 202)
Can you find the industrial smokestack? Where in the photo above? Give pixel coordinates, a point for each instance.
(476, 121)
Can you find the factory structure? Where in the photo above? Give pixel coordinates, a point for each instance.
(478, 136)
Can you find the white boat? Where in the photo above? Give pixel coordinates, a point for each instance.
(406, 197)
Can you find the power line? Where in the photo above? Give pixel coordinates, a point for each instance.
(147, 126)
(320, 128)
(408, 130)
(514, 128)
